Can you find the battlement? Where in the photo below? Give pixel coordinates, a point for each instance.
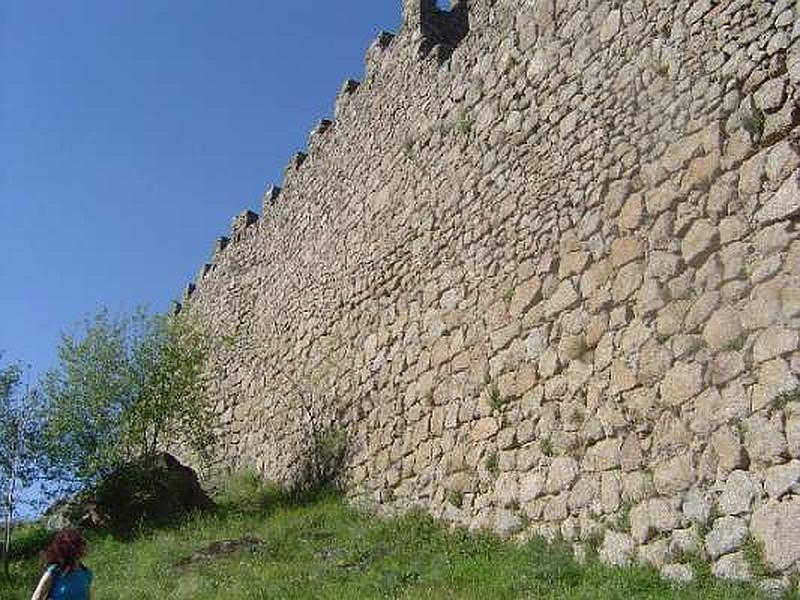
(433, 28)
(431, 31)
(544, 260)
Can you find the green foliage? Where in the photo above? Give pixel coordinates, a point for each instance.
(621, 521)
(463, 125)
(782, 400)
(754, 554)
(20, 426)
(496, 400)
(124, 386)
(754, 123)
(578, 415)
(328, 551)
(738, 343)
(455, 497)
(546, 446)
(28, 540)
(323, 462)
(244, 491)
(152, 491)
(493, 464)
(20, 420)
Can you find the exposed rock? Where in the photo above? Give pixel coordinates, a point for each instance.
(678, 573)
(655, 553)
(774, 342)
(602, 456)
(631, 457)
(793, 435)
(729, 450)
(653, 516)
(723, 329)
(223, 549)
(726, 366)
(727, 535)
(626, 250)
(618, 549)
(563, 298)
(507, 523)
(783, 479)
(584, 493)
(764, 440)
(697, 506)
(738, 494)
(784, 203)
(506, 489)
(701, 239)
(153, 491)
(775, 377)
(675, 475)
(775, 526)
(610, 26)
(685, 542)
(734, 567)
(775, 587)
(562, 474)
(531, 486)
(682, 382)
(525, 296)
(485, 428)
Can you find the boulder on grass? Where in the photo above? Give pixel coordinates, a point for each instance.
(152, 491)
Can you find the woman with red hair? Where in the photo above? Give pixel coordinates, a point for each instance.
(66, 578)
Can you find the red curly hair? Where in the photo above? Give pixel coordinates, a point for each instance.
(66, 550)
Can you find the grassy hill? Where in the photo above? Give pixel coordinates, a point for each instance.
(323, 549)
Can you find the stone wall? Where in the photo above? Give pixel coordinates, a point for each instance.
(544, 267)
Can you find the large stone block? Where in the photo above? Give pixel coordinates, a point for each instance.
(675, 475)
(618, 549)
(738, 494)
(603, 456)
(784, 203)
(727, 535)
(681, 383)
(775, 526)
(653, 517)
(701, 239)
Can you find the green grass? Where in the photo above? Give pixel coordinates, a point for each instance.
(326, 550)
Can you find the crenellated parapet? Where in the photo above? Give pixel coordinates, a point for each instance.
(241, 223)
(269, 198)
(349, 87)
(434, 29)
(219, 245)
(297, 161)
(549, 286)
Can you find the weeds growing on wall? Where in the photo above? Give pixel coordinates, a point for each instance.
(324, 443)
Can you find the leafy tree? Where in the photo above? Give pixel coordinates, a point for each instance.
(124, 387)
(19, 433)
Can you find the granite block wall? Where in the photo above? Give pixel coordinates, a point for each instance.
(542, 268)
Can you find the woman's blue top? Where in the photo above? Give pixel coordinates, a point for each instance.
(70, 585)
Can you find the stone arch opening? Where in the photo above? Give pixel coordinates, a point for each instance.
(444, 24)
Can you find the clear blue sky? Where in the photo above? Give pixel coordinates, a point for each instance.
(132, 131)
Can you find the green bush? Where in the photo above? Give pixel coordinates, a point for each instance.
(29, 540)
(244, 491)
